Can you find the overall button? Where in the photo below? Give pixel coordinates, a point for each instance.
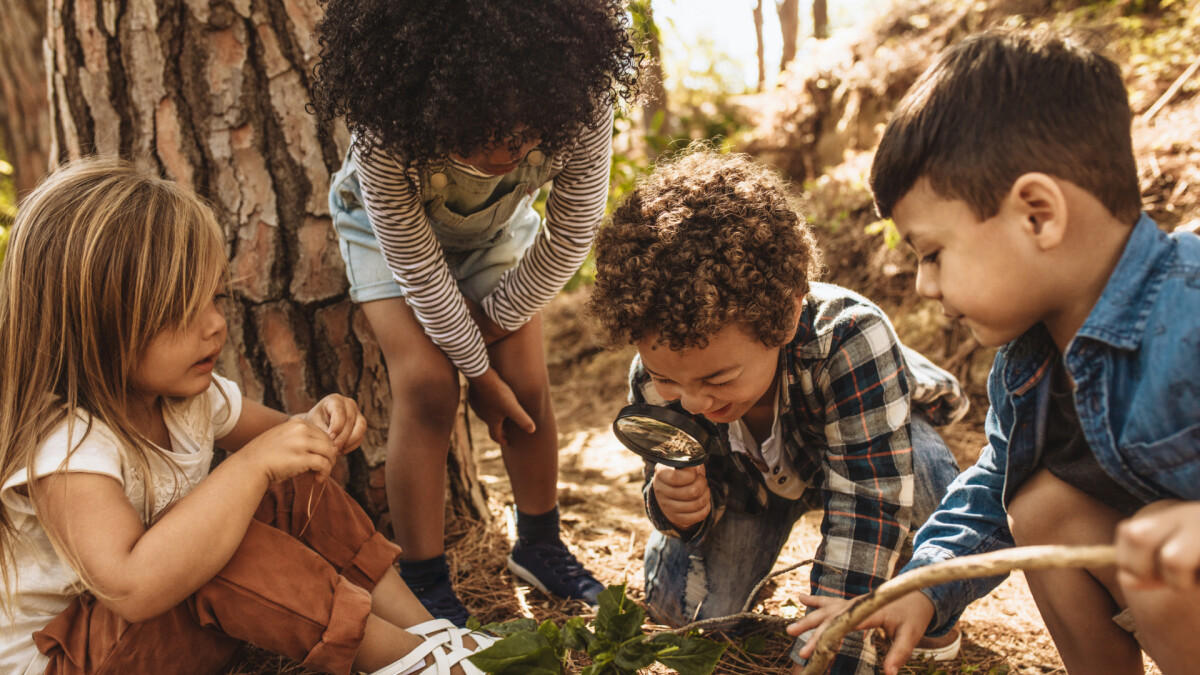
(535, 158)
(438, 181)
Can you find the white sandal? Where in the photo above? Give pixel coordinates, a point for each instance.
(444, 641)
(939, 654)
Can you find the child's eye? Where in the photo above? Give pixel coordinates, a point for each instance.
(930, 258)
(719, 384)
(660, 380)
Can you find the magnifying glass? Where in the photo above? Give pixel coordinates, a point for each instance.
(663, 435)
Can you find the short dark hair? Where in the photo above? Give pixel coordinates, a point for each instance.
(423, 78)
(705, 241)
(1005, 103)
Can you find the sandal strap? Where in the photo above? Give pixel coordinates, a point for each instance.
(431, 645)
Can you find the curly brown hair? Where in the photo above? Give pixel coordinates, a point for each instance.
(704, 241)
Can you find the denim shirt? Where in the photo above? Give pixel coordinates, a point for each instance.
(1136, 365)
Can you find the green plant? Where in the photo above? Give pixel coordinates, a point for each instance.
(614, 642)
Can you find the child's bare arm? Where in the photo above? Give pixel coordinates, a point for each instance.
(336, 414)
(140, 573)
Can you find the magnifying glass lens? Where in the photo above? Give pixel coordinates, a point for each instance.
(659, 440)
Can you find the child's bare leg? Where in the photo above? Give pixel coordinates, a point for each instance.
(531, 459)
(384, 643)
(1077, 605)
(393, 601)
(425, 394)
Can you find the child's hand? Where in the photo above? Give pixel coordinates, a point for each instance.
(682, 494)
(290, 449)
(338, 416)
(494, 401)
(904, 621)
(1160, 545)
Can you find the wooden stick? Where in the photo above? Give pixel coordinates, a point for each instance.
(966, 567)
(1171, 91)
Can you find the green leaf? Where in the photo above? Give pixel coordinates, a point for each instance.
(527, 652)
(755, 644)
(687, 655)
(553, 637)
(473, 623)
(510, 627)
(635, 654)
(576, 635)
(618, 618)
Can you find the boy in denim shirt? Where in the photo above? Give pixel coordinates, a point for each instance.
(1009, 169)
(707, 268)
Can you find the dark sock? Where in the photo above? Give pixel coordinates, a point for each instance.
(419, 574)
(539, 528)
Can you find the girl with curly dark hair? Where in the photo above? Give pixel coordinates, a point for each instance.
(460, 113)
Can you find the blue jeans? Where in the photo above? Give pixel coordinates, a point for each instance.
(685, 585)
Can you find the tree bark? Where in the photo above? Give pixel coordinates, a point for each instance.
(789, 26)
(760, 49)
(820, 19)
(24, 119)
(213, 95)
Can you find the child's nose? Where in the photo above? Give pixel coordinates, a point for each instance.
(695, 401)
(927, 286)
(214, 320)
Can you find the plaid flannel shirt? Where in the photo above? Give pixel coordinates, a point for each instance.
(850, 387)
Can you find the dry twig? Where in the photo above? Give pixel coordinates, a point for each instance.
(966, 567)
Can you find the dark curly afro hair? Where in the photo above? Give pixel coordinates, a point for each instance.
(704, 241)
(420, 79)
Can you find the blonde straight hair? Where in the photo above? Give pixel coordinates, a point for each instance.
(101, 259)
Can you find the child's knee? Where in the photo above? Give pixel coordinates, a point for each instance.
(534, 395)
(1078, 519)
(431, 388)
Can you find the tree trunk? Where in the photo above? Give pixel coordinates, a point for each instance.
(213, 96)
(24, 122)
(760, 48)
(789, 26)
(820, 19)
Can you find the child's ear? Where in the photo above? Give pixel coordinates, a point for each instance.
(1039, 202)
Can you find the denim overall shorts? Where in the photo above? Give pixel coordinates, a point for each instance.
(484, 225)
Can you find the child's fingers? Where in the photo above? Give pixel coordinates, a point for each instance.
(496, 431)
(522, 419)
(335, 419)
(1179, 562)
(1137, 546)
(905, 639)
(678, 478)
(357, 432)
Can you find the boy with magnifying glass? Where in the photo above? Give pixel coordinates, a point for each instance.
(708, 269)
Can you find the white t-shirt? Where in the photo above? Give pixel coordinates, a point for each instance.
(45, 584)
(778, 472)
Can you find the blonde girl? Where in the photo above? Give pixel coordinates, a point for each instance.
(120, 551)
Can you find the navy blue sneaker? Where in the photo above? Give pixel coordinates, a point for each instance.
(553, 569)
(439, 598)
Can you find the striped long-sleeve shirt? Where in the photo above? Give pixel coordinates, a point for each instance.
(392, 197)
